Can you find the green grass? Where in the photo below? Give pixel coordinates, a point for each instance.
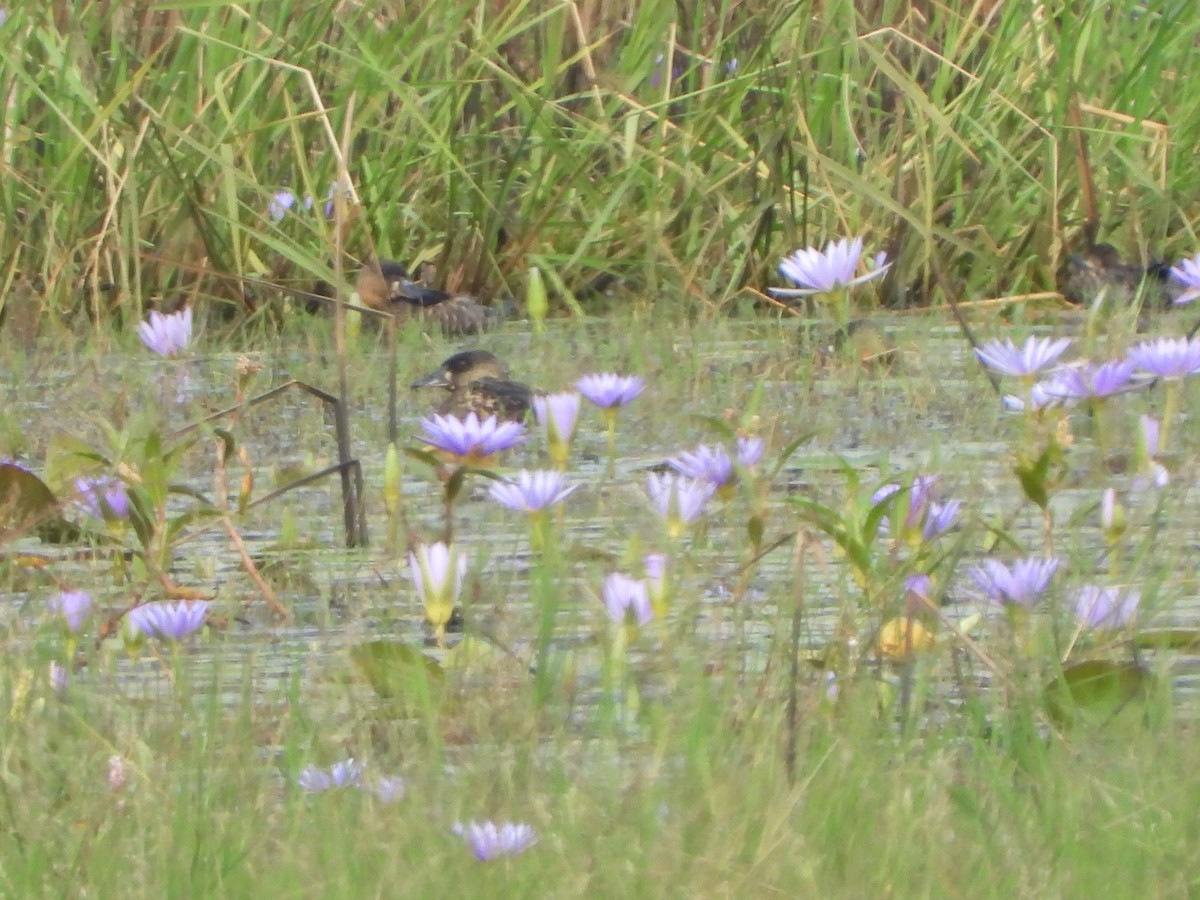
(488, 140)
(491, 140)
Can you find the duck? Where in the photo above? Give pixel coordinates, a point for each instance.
(477, 382)
(1100, 269)
(385, 285)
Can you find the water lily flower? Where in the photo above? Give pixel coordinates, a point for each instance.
(626, 599)
(438, 571)
(347, 773)
(558, 414)
(280, 205)
(1040, 397)
(749, 451)
(1105, 607)
(818, 272)
(1033, 356)
(657, 584)
(532, 491)
(75, 607)
(488, 840)
(387, 789)
(1091, 381)
(469, 439)
(167, 335)
(932, 518)
(1169, 358)
(104, 497)
(60, 678)
(1152, 472)
(1187, 273)
(705, 463)
(678, 500)
(166, 620)
(609, 391)
(1019, 586)
(940, 518)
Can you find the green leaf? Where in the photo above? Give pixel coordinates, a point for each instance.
(25, 502)
(397, 671)
(1096, 690)
(1185, 639)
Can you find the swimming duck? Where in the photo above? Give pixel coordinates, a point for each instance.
(385, 285)
(1100, 268)
(477, 382)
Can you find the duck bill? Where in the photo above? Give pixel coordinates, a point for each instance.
(435, 379)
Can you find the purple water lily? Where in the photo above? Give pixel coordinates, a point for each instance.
(749, 451)
(166, 620)
(1020, 585)
(1040, 397)
(345, 774)
(104, 497)
(280, 205)
(75, 607)
(626, 599)
(488, 840)
(470, 439)
(678, 500)
(557, 414)
(934, 518)
(532, 491)
(818, 272)
(1033, 356)
(167, 335)
(1092, 382)
(1106, 607)
(609, 391)
(1187, 273)
(1169, 358)
(705, 463)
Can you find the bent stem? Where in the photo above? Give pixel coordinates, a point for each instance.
(1170, 405)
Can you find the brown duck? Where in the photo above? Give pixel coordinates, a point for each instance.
(477, 382)
(1100, 269)
(385, 286)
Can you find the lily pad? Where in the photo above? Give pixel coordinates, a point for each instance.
(1097, 690)
(399, 672)
(26, 502)
(1183, 639)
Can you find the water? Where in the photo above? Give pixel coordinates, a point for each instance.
(936, 412)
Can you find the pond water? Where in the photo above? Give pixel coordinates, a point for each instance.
(933, 412)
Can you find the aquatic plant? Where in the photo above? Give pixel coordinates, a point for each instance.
(1031, 358)
(489, 841)
(345, 774)
(610, 391)
(679, 501)
(167, 335)
(437, 572)
(626, 599)
(532, 492)
(75, 607)
(1105, 607)
(166, 620)
(1187, 273)
(831, 269)
(1020, 584)
(558, 414)
(103, 496)
(470, 439)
